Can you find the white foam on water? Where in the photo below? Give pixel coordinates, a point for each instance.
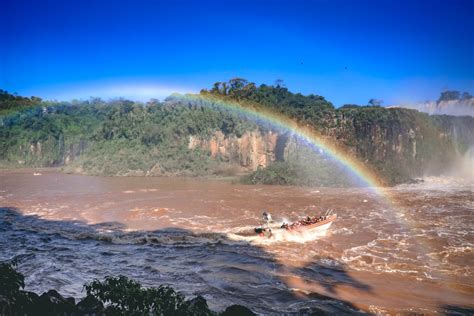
(280, 236)
(442, 183)
(344, 231)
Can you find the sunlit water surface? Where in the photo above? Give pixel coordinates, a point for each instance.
(65, 230)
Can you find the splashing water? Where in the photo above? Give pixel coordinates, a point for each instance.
(66, 229)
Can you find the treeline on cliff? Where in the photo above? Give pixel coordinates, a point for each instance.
(398, 143)
(12, 102)
(117, 137)
(121, 137)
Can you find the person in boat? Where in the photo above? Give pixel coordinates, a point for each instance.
(268, 232)
(267, 218)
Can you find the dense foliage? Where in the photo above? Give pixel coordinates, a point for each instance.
(123, 296)
(302, 167)
(11, 102)
(121, 137)
(13, 300)
(118, 137)
(311, 109)
(11, 281)
(450, 95)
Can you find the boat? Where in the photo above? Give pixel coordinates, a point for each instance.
(315, 224)
(319, 224)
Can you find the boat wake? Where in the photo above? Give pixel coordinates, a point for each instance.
(280, 236)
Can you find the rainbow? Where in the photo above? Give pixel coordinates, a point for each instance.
(317, 141)
(308, 135)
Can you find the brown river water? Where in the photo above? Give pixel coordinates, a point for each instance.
(65, 230)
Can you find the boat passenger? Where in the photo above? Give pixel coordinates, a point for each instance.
(268, 233)
(267, 218)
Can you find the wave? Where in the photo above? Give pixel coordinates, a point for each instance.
(441, 183)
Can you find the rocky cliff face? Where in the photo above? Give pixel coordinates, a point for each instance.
(51, 153)
(252, 150)
(402, 143)
(399, 143)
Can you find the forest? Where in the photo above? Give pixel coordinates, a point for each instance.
(127, 138)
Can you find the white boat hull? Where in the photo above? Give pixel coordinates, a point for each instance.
(320, 230)
(299, 229)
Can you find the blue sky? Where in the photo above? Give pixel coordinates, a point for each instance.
(347, 51)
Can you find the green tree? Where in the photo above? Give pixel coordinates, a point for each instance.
(449, 95)
(375, 102)
(124, 296)
(466, 96)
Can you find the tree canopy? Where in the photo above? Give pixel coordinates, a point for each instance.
(450, 95)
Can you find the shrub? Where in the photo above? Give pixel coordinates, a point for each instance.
(122, 296)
